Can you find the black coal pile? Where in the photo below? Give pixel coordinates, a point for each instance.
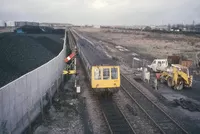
(30, 29)
(59, 31)
(7, 72)
(47, 29)
(51, 45)
(20, 54)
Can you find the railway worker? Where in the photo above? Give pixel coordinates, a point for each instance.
(156, 81)
(156, 84)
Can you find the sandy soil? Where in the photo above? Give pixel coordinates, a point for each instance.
(154, 44)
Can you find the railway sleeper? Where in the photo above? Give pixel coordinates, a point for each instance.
(131, 109)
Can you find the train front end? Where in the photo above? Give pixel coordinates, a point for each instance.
(105, 78)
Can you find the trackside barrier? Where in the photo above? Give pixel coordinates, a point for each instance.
(22, 99)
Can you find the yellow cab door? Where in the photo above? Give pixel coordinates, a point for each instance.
(115, 76)
(96, 76)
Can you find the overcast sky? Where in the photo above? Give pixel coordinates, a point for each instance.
(105, 12)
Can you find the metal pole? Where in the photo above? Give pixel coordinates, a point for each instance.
(75, 70)
(156, 84)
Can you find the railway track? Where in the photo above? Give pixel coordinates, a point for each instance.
(117, 122)
(160, 118)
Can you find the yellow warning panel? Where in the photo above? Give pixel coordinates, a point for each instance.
(69, 72)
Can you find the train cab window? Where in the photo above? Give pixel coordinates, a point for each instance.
(114, 74)
(106, 73)
(97, 73)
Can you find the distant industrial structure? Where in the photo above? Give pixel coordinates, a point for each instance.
(2, 23)
(25, 23)
(17, 23)
(176, 27)
(55, 25)
(11, 24)
(187, 28)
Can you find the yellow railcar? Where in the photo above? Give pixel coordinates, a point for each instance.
(102, 72)
(105, 77)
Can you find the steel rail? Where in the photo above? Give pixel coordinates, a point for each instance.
(115, 118)
(162, 120)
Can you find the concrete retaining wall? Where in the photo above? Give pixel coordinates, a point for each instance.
(22, 99)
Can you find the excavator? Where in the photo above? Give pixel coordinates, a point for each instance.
(177, 77)
(174, 71)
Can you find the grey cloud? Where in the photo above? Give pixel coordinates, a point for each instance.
(107, 12)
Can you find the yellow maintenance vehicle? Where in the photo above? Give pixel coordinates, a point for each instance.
(177, 76)
(174, 71)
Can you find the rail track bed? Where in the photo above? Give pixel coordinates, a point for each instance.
(161, 119)
(117, 122)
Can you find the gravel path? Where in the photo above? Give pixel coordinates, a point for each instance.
(155, 44)
(96, 119)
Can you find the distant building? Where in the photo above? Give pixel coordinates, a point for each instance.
(96, 26)
(25, 23)
(10, 23)
(176, 29)
(55, 25)
(2, 23)
(89, 26)
(45, 24)
(153, 27)
(20, 23)
(197, 28)
(162, 27)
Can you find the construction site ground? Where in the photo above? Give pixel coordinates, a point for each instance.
(124, 45)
